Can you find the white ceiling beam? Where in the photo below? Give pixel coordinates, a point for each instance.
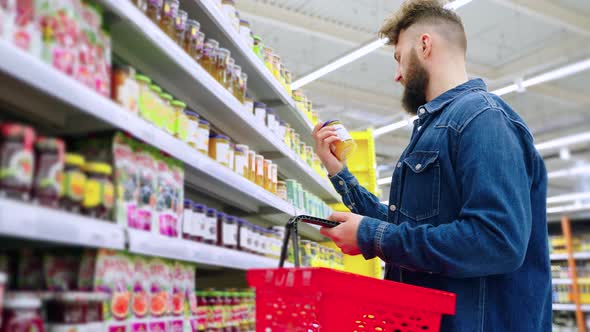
(551, 12)
(554, 91)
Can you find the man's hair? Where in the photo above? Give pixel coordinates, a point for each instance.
(431, 12)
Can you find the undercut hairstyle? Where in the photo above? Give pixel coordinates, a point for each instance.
(427, 12)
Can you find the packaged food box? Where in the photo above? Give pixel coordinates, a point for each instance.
(19, 24)
(114, 276)
(141, 293)
(160, 296)
(60, 26)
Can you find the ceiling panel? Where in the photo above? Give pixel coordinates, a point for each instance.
(579, 6)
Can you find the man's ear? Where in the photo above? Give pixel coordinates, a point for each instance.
(425, 45)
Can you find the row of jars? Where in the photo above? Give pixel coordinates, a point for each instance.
(230, 311)
(188, 35)
(207, 225)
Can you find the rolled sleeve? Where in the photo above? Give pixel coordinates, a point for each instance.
(344, 181)
(370, 237)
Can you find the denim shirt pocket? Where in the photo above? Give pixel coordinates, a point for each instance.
(421, 189)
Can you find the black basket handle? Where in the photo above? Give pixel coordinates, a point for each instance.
(291, 232)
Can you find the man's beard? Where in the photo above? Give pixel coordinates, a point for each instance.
(416, 82)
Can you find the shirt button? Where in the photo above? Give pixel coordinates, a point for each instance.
(418, 167)
(392, 208)
(419, 128)
(422, 110)
(399, 165)
(341, 182)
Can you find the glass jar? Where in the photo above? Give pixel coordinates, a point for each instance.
(220, 221)
(199, 222)
(141, 5)
(17, 160)
(315, 118)
(180, 124)
(229, 239)
(258, 47)
(209, 58)
(201, 312)
(22, 313)
(191, 36)
(309, 109)
(282, 189)
(260, 112)
(267, 175)
(192, 127)
(302, 154)
(219, 148)
(242, 229)
(49, 166)
(260, 170)
(126, 88)
(68, 308)
(282, 78)
(296, 143)
(288, 81)
(168, 16)
(236, 82)
(231, 155)
(242, 87)
(271, 119)
(268, 53)
(248, 102)
(145, 95)
(282, 130)
(289, 136)
(203, 136)
(276, 66)
(210, 234)
(241, 160)
(180, 26)
(346, 146)
(223, 55)
(187, 220)
(246, 33)
(94, 309)
(230, 75)
(309, 155)
(252, 166)
(74, 181)
(300, 100)
(274, 177)
(154, 10)
(156, 104)
(165, 119)
(99, 192)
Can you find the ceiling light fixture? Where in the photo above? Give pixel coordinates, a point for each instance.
(384, 181)
(580, 170)
(568, 197)
(564, 141)
(569, 208)
(558, 73)
(394, 126)
(357, 54)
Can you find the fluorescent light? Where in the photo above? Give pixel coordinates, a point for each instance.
(565, 154)
(394, 126)
(568, 208)
(564, 141)
(542, 78)
(580, 170)
(568, 197)
(354, 55)
(384, 181)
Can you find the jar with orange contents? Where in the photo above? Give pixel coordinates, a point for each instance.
(252, 166)
(154, 10)
(180, 26)
(346, 145)
(168, 16)
(259, 164)
(268, 174)
(274, 178)
(236, 79)
(230, 75)
(191, 39)
(209, 58)
(221, 67)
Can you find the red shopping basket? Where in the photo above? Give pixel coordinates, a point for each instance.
(319, 299)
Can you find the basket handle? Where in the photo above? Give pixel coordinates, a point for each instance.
(291, 232)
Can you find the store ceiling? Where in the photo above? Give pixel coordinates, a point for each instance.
(508, 39)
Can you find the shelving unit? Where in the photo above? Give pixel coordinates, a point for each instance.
(569, 307)
(561, 281)
(577, 255)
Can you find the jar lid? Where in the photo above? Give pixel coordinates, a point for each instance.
(191, 113)
(231, 218)
(329, 122)
(219, 136)
(53, 143)
(242, 222)
(16, 129)
(74, 159)
(281, 182)
(257, 38)
(249, 96)
(190, 21)
(203, 121)
(270, 110)
(143, 78)
(283, 123)
(258, 104)
(236, 149)
(178, 103)
(166, 96)
(220, 214)
(237, 68)
(155, 88)
(224, 50)
(199, 206)
(188, 202)
(244, 23)
(211, 210)
(21, 300)
(99, 168)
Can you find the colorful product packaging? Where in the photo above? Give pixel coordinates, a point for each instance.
(114, 275)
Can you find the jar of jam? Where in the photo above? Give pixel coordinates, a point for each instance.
(154, 10)
(187, 219)
(47, 184)
(144, 100)
(258, 47)
(274, 178)
(259, 170)
(219, 148)
(267, 174)
(241, 160)
(22, 313)
(271, 119)
(199, 220)
(268, 53)
(282, 189)
(201, 311)
(252, 165)
(241, 234)
(210, 235)
(168, 16)
(193, 127)
(236, 78)
(346, 146)
(215, 311)
(276, 65)
(260, 112)
(191, 36)
(242, 87)
(99, 192)
(223, 56)
(180, 123)
(74, 182)
(315, 118)
(68, 308)
(220, 222)
(249, 103)
(230, 75)
(209, 58)
(164, 119)
(203, 136)
(155, 104)
(288, 81)
(282, 130)
(94, 312)
(17, 163)
(180, 26)
(230, 233)
(246, 33)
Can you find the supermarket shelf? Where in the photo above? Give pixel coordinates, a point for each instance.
(577, 255)
(261, 83)
(24, 220)
(142, 43)
(569, 307)
(563, 281)
(146, 243)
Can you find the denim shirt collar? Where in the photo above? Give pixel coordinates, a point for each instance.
(443, 100)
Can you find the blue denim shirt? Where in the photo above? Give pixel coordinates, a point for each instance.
(466, 213)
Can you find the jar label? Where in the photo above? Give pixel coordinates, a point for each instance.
(187, 221)
(73, 185)
(260, 115)
(193, 133)
(195, 224)
(92, 193)
(18, 166)
(203, 139)
(108, 195)
(231, 158)
(222, 153)
(211, 229)
(342, 132)
(230, 234)
(260, 168)
(241, 164)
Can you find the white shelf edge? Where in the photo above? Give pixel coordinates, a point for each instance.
(561, 281)
(25, 220)
(54, 83)
(569, 307)
(222, 23)
(146, 243)
(577, 255)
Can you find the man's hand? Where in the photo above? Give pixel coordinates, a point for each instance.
(323, 139)
(345, 234)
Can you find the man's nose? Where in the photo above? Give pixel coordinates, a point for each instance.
(398, 75)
